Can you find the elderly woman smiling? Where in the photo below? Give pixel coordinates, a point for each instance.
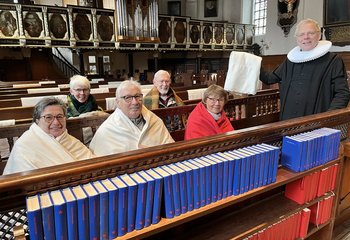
(47, 142)
(80, 100)
(208, 117)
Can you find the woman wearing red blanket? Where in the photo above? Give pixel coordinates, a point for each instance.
(209, 118)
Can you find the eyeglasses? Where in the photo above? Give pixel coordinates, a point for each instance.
(50, 118)
(128, 99)
(220, 100)
(84, 90)
(309, 34)
(164, 81)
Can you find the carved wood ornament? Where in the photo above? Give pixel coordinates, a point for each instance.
(287, 14)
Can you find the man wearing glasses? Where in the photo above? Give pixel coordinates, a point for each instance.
(47, 142)
(312, 79)
(131, 126)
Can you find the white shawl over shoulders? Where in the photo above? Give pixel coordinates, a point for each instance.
(118, 134)
(37, 149)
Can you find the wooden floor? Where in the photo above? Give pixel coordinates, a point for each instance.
(342, 232)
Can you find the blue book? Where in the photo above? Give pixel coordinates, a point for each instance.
(309, 149)
(210, 179)
(47, 216)
(175, 181)
(112, 207)
(167, 199)
(103, 209)
(293, 153)
(230, 171)
(274, 157)
(94, 210)
(140, 199)
(245, 170)
(149, 198)
(255, 167)
(83, 212)
(189, 184)
(220, 175)
(196, 184)
(60, 212)
(72, 214)
(202, 185)
(252, 163)
(259, 164)
(158, 193)
(225, 176)
(236, 173)
(182, 186)
(122, 205)
(132, 195)
(34, 218)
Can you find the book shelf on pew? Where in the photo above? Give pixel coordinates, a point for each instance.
(217, 221)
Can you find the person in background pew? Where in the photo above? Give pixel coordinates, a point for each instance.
(80, 101)
(162, 95)
(209, 118)
(46, 143)
(131, 126)
(312, 79)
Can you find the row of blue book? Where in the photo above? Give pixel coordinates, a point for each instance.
(102, 209)
(113, 207)
(197, 182)
(310, 149)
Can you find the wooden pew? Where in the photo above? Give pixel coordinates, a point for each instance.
(15, 188)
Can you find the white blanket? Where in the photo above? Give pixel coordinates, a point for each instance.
(243, 73)
(118, 134)
(37, 149)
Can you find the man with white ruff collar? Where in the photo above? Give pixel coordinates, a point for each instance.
(311, 79)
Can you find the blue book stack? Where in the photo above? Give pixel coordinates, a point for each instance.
(182, 187)
(34, 218)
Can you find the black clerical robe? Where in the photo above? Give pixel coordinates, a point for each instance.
(311, 87)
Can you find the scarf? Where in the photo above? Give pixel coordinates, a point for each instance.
(75, 108)
(151, 100)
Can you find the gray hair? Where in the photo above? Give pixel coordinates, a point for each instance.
(215, 90)
(76, 79)
(47, 101)
(304, 21)
(160, 73)
(126, 84)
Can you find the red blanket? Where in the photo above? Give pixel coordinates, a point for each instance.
(201, 123)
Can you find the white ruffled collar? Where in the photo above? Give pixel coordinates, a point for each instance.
(297, 56)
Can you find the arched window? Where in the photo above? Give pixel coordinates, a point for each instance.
(259, 16)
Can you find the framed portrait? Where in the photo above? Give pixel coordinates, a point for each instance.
(105, 26)
(337, 12)
(210, 8)
(58, 23)
(9, 27)
(33, 23)
(174, 8)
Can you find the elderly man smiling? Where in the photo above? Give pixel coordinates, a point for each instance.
(131, 126)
